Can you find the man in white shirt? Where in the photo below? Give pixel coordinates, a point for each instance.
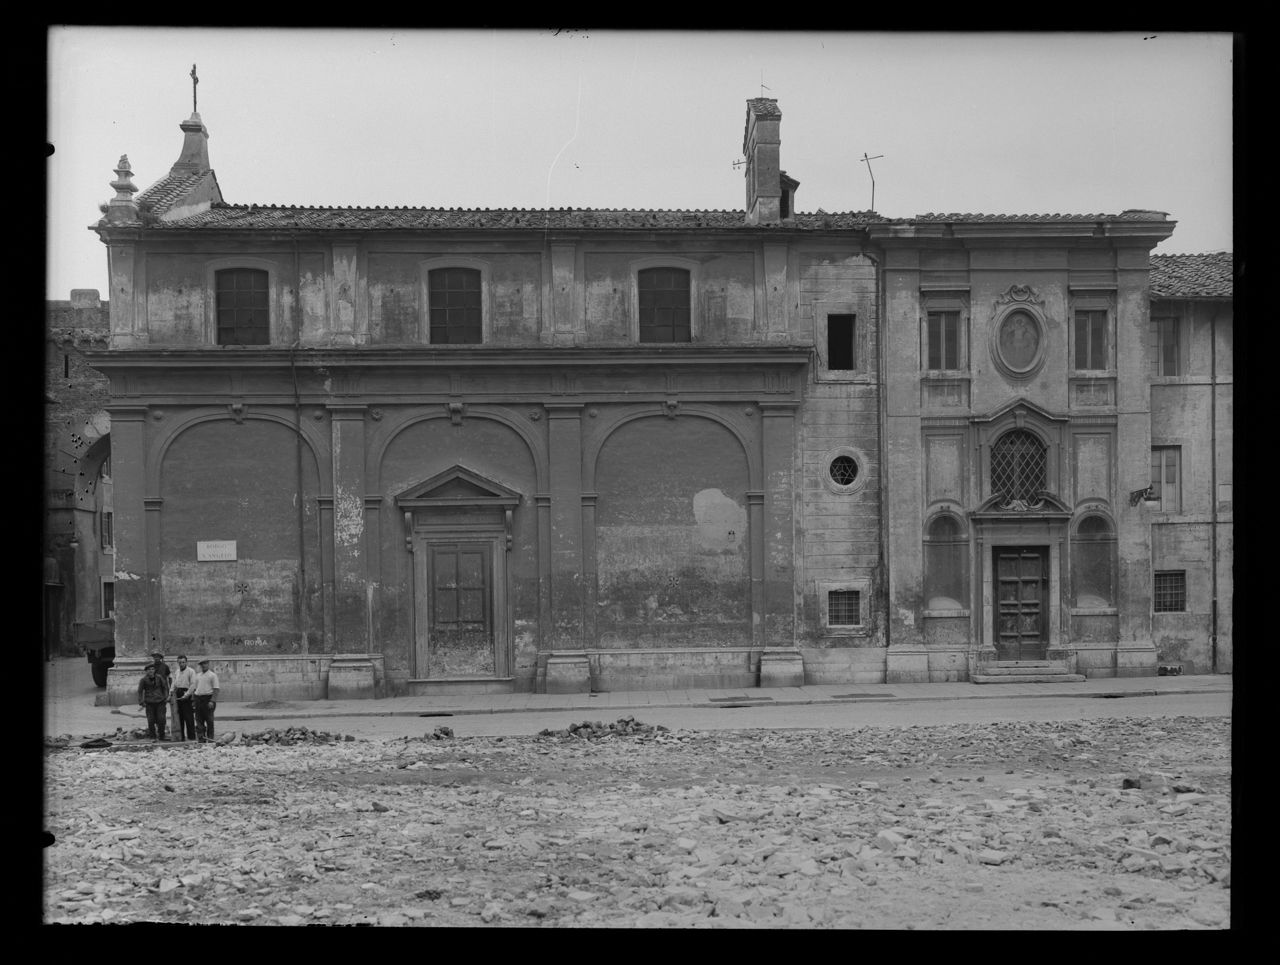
(206, 695)
(183, 682)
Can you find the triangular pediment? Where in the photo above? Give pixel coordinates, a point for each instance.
(461, 485)
(1023, 403)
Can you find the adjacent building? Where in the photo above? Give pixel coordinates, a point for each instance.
(373, 451)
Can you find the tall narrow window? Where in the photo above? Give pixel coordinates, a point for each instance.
(1092, 563)
(1091, 340)
(108, 600)
(108, 530)
(1166, 331)
(944, 340)
(664, 305)
(1018, 465)
(242, 297)
(454, 296)
(1166, 478)
(1170, 591)
(841, 356)
(946, 569)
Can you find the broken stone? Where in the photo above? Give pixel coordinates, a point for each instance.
(991, 856)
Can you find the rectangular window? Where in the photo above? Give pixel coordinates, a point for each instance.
(841, 355)
(1091, 340)
(108, 600)
(1171, 591)
(664, 305)
(1166, 478)
(944, 341)
(844, 608)
(455, 312)
(108, 530)
(243, 316)
(1166, 331)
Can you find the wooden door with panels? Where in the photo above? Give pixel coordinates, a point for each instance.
(1021, 588)
(458, 528)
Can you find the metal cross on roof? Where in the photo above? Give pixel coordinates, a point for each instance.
(194, 80)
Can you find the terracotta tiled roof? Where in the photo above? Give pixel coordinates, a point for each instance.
(764, 105)
(169, 189)
(1131, 215)
(283, 217)
(1192, 276)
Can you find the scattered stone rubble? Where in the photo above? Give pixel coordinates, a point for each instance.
(962, 826)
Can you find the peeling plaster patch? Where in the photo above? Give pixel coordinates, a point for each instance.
(722, 523)
(348, 520)
(907, 617)
(122, 575)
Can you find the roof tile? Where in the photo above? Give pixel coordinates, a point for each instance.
(1193, 276)
(169, 189)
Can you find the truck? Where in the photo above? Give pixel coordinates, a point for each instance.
(97, 638)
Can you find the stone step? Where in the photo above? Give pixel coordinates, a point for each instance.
(1037, 678)
(1023, 663)
(459, 686)
(1017, 671)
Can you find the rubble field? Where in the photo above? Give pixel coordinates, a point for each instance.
(1112, 824)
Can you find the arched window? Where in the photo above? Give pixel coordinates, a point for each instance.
(454, 306)
(242, 298)
(1018, 465)
(1093, 563)
(664, 305)
(946, 565)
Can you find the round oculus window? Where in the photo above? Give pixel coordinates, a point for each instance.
(843, 470)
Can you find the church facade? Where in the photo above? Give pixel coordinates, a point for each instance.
(365, 452)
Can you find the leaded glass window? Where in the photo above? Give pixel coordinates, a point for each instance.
(1019, 464)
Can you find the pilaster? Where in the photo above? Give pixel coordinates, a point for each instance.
(565, 431)
(351, 624)
(563, 291)
(778, 526)
(132, 576)
(775, 280)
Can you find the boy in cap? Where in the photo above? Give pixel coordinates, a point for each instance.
(153, 692)
(162, 668)
(206, 696)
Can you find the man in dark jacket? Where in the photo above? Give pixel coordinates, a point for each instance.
(162, 668)
(153, 692)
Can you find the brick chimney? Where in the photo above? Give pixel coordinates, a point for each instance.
(195, 148)
(760, 145)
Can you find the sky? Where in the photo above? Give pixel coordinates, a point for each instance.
(996, 123)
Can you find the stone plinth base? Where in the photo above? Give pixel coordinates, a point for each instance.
(843, 665)
(676, 668)
(352, 678)
(906, 666)
(781, 668)
(250, 678)
(568, 673)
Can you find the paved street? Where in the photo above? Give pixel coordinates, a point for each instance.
(1025, 812)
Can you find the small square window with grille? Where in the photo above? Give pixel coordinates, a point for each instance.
(1171, 591)
(844, 608)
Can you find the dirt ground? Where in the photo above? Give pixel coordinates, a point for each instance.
(978, 826)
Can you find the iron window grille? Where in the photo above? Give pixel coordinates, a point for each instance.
(844, 470)
(454, 306)
(242, 296)
(944, 341)
(1019, 465)
(664, 305)
(1171, 591)
(844, 608)
(1091, 340)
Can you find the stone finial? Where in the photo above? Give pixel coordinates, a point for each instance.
(194, 158)
(123, 208)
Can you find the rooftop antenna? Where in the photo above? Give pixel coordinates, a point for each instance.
(762, 87)
(867, 161)
(194, 80)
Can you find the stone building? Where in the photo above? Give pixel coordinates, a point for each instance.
(373, 451)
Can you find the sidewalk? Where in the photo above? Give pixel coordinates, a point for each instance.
(620, 703)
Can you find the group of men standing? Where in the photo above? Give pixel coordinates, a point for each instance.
(195, 697)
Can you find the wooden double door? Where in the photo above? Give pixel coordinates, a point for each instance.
(458, 611)
(1021, 588)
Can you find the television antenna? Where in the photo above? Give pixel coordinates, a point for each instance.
(867, 161)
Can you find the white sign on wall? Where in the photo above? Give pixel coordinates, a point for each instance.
(216, 549)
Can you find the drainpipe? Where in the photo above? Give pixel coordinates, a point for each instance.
(1213, 485)
(882, 415)
(297, 424)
